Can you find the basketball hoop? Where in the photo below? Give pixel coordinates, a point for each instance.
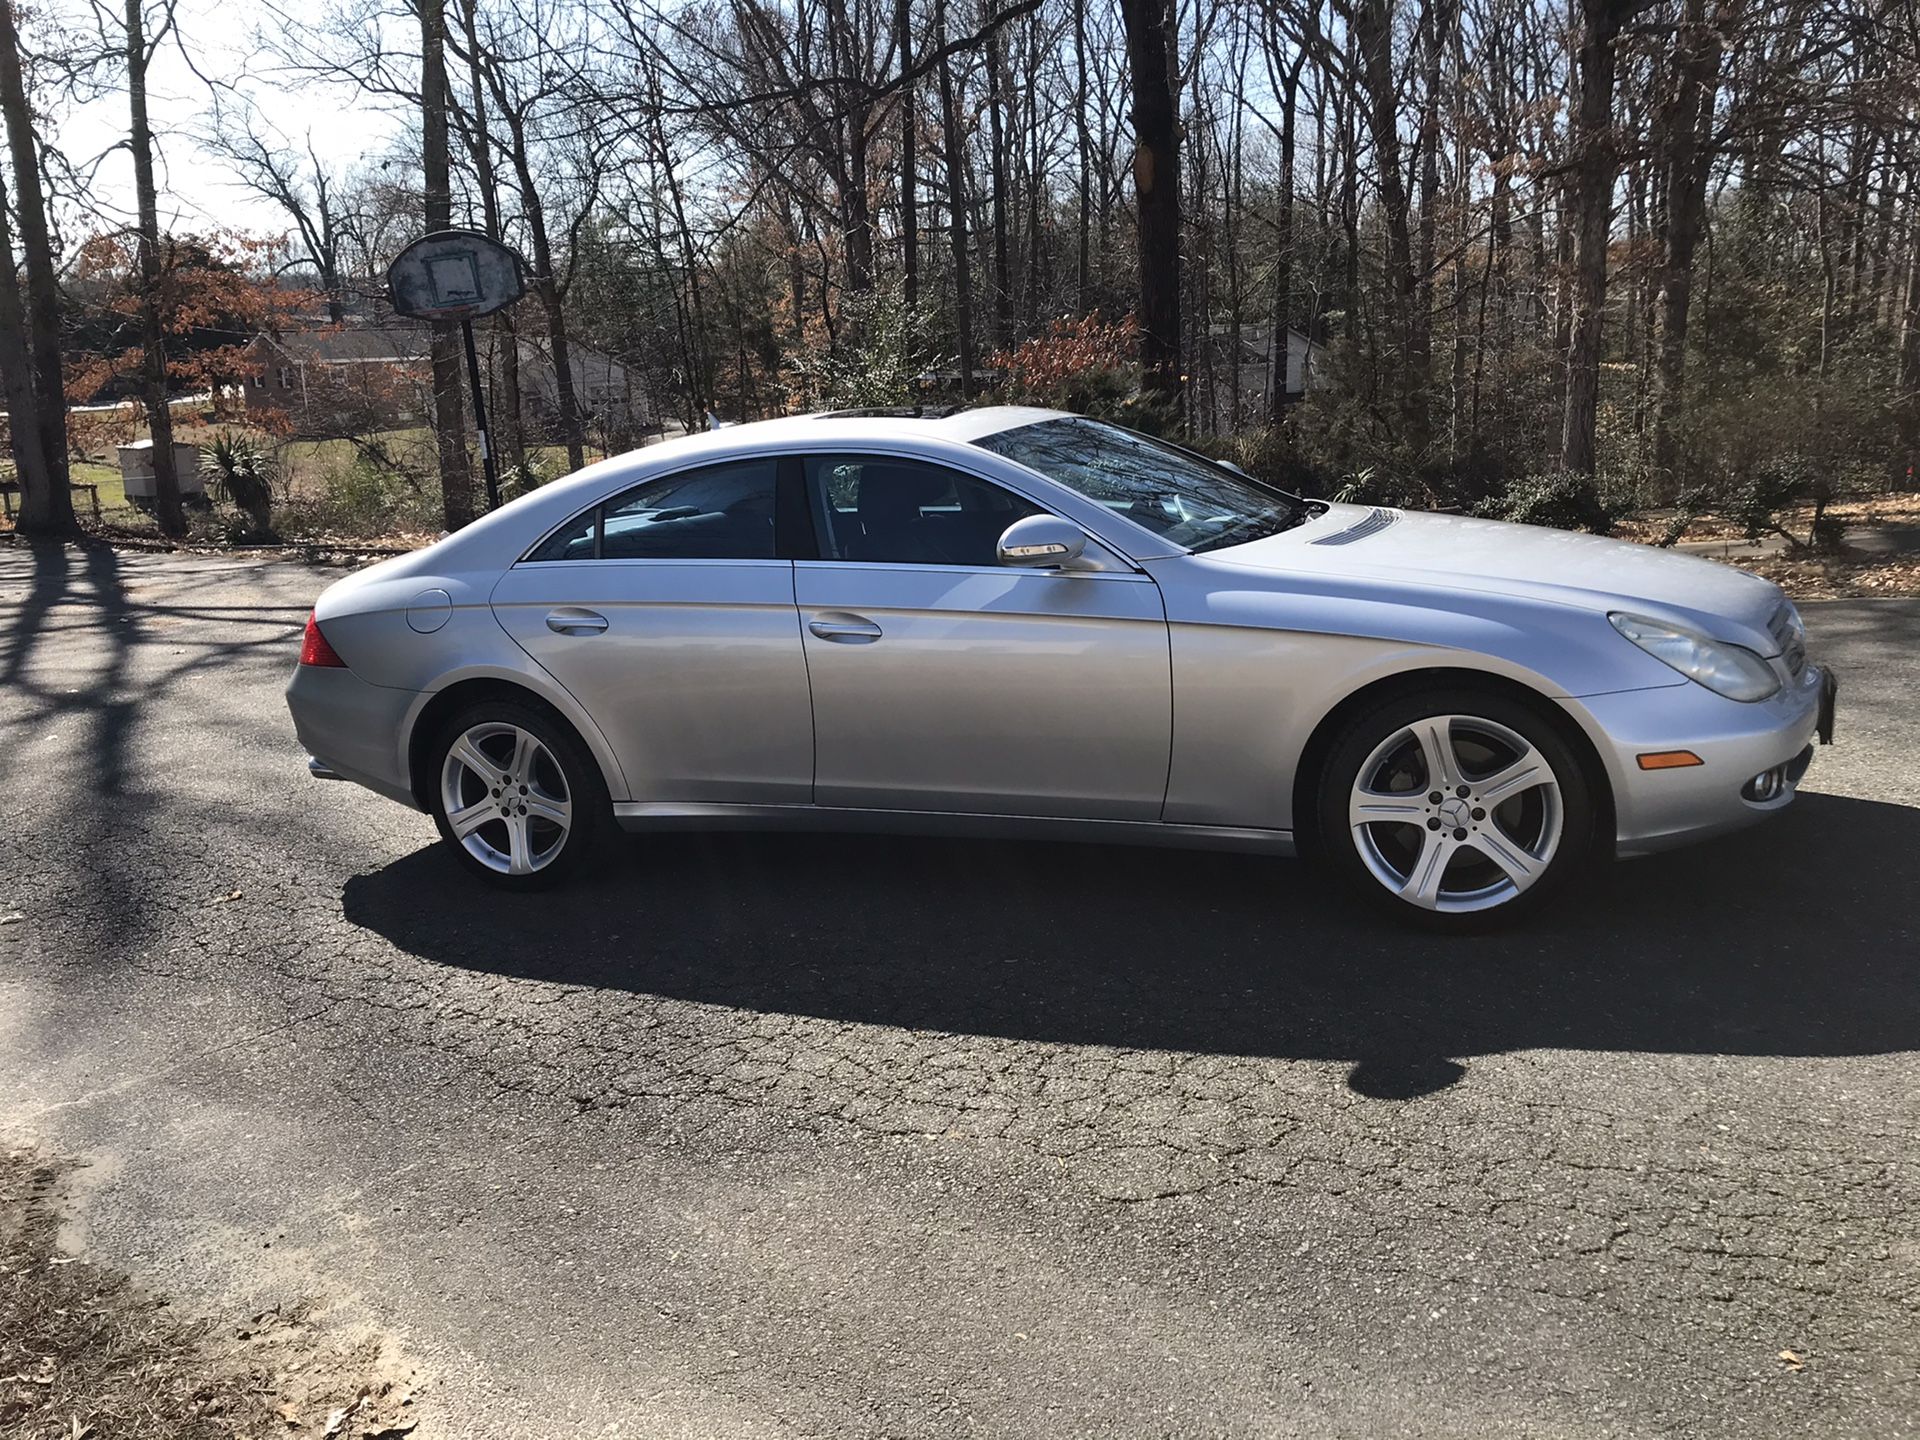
(454, 275)
(459, 275)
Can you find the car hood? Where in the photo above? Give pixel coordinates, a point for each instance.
(1462, 555)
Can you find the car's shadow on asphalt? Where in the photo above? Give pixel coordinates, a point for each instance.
(1796, 938)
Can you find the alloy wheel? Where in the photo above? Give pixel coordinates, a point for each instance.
(506, 798)
(1456, 813)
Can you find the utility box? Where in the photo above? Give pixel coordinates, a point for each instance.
(136, 469)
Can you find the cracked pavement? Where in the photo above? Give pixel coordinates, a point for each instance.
(869, 1137)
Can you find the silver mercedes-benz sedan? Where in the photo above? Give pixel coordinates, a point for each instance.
(1018, 622)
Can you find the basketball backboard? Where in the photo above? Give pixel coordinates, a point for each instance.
(454, 275)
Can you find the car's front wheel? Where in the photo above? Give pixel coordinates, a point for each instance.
(1452, 809)
(516, 794)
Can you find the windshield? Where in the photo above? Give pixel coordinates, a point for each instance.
(1179, 496)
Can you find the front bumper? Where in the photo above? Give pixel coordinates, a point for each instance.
(352, 730)
(1658, 809)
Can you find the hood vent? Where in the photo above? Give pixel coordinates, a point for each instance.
(1372, 525)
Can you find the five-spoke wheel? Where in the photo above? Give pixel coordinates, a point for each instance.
(515, 794)
(1450, 806)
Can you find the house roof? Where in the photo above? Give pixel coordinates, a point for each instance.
(353, 344)
(1256, 342)
(396, 344)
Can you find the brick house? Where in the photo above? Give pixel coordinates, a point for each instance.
(338, 380)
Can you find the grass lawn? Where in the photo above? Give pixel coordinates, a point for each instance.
(113, 493)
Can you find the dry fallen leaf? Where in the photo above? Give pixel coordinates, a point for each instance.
(228, 899)
(1792, 1361)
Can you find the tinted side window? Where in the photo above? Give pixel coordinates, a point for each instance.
(907, 511)
(722, 512)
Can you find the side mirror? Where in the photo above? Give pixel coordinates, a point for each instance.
(1042, 541)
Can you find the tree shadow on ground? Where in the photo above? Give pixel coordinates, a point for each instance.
(1792, 939)
(94, 668)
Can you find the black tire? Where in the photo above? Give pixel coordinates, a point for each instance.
(1474, 892)
(571, 764)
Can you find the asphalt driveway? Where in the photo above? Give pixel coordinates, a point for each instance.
(863, 1137)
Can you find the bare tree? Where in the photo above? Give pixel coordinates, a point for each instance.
(449, 417)
(141, 43)
(37, 489)
(50, 509)
(1150, 28)
(304, 188)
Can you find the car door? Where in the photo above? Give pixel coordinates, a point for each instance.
(666, 613)
(945, 681)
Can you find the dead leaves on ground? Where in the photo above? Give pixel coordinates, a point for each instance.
(85, 1355)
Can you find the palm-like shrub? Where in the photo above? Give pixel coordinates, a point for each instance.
(245, 470)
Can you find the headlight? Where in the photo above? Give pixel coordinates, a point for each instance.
(1725, 669)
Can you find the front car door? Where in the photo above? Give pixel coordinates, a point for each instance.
(666, 613)
(945, 681)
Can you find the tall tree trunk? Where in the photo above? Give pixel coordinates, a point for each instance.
(700, 363)
(546, 284)
(859, 212)
(909, 161)
(1406, 278)
(1156, 181)
(449, 417)
(23, 405)
(1696, 72)
(1438, 19)
(153, 341)
(1462, 199)
(43, 291)
(997, 179)
(851, 136)
(1347, 121)
(1084, 137)
(505, 410)
(1034, 281)
(956, 164)
(1278, 396)
(1906, 465)
(1595, 162)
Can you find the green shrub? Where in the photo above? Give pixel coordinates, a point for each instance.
(1561, 499)
(245, 472)
(364, 498)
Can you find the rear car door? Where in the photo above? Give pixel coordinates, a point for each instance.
(667, 614)
(945, 681)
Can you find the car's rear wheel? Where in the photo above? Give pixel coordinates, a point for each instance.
(1454, 809)
(516, 795)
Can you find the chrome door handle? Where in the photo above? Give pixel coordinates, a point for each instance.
(572, 620)
(846, 629)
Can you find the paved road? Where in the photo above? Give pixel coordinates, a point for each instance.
(856, 1137)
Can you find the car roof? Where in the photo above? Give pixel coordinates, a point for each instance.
(498, 537)
(820, 429)
(869, 425)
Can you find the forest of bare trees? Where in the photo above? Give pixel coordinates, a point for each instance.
(1652, 249)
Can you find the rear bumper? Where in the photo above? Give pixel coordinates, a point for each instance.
(352, 730)
(1658, 809)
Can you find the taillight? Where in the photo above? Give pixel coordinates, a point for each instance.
(314, 649)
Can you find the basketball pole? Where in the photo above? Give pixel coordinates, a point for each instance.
(480, 416)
